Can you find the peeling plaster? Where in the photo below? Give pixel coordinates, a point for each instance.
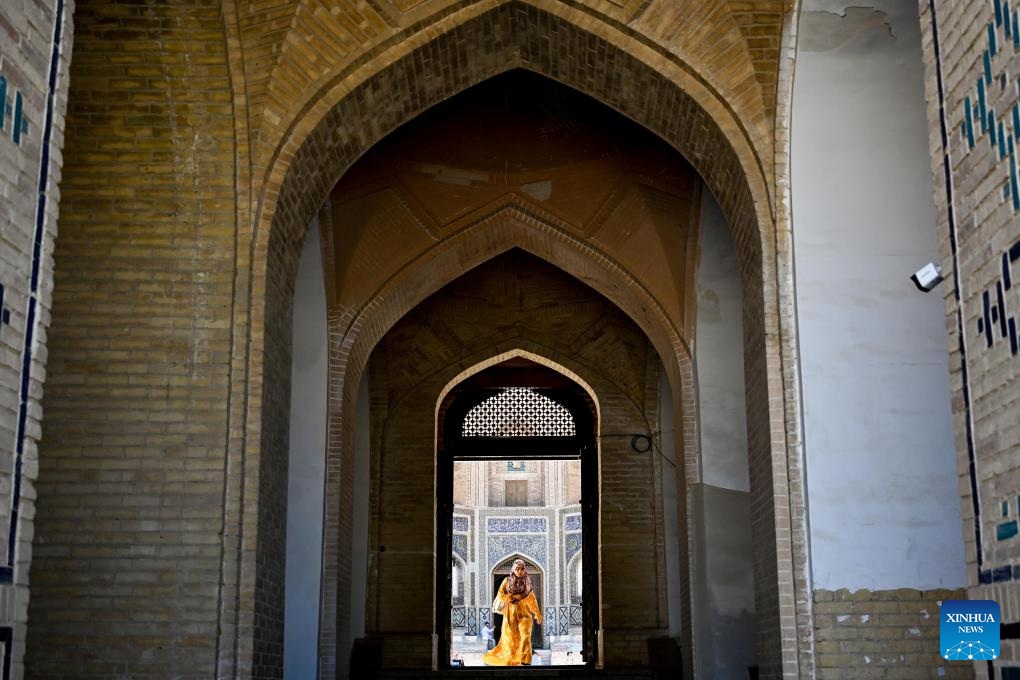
(822, 31)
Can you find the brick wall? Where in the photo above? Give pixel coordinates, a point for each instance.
(882, 634)
(168, 430)
(978, 58)
(34, 55)
(128, 537)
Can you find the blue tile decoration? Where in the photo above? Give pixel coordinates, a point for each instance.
(995, 322)
(5, 313)
(573, 544)
(460, 546)
(1006, 531)
(999, 574)
(471, 620)
(573, 523)
(576, 615)
(517, 525)
(19, 121)
(516, 466)
(999, 36)
(460, 523)
(501, 547)
(457, 617)
(483, 616)
(563, 622)
(550, 618)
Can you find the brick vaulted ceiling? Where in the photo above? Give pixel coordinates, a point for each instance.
(291, 48)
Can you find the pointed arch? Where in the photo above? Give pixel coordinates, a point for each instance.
(336, 129)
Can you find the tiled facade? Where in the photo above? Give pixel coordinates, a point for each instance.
(971, 55)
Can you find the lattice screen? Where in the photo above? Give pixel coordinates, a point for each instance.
(519, 412)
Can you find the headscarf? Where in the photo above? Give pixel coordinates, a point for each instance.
(519, 585)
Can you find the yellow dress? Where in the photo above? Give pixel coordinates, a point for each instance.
(514, 648)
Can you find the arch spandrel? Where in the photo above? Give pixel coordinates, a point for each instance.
(361, 105)
(294, 49)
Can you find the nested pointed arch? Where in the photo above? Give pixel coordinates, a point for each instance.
(373, 99)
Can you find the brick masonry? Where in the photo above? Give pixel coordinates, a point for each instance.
(129, 528)
(882, 634)
(35, 51)
(204, 139)
(975, 61)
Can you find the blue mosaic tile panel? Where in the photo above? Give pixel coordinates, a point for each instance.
(1001, 130)
(563, 622)
(576, 615)
(460, 546)
(457, 617)
(517, 525)
(483, 616)
(471, 619)
(573, 523)
(460, 523)
(550, 619)
(516, 466)
(502, 547)
(994, 322)
(573, 545)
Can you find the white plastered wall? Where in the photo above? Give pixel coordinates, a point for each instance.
(307, 466)
(724, 634)
(882, 487)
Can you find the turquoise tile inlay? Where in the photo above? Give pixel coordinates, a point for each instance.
(969, 121)
(3, 101)
(1013, 180)
(991, 37)
(982, 107)
(988, 67)
(1016, 122)
(998, 12)
(1016, 31)
(1002, 141)
(20, 123)
(1005, 20)
(1006, 531)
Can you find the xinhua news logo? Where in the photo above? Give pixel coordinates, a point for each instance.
(969, 630)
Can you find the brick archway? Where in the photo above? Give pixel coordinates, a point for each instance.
(332, 136)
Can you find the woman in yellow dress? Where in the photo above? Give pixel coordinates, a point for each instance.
(518, 596)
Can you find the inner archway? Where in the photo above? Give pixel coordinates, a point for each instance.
(420, 380)
(517, 473)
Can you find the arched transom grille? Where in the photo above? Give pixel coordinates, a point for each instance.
(519, 412)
